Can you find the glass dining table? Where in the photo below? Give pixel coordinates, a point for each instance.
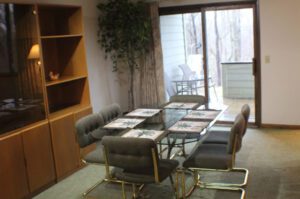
(173, 126)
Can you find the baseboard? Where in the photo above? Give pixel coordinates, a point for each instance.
(280, 126)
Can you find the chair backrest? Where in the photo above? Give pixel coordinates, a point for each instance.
(188, 74)
(86, 127)
(110, 112)
(246, 113)
(131, 154)
(189, 98)
(235, 138)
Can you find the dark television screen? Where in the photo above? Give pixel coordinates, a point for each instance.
(21, 96)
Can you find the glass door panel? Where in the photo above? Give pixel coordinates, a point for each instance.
(181, 37)
(230, 49)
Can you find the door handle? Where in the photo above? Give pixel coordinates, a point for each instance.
(253, 66)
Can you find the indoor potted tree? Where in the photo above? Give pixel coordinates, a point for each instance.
(124, 34)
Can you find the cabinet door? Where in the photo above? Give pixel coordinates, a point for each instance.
(65, 147)
(13, 179)
(39, 158)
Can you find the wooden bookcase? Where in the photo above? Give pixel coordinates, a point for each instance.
(63, 52)
(38, 155)
(61, 33)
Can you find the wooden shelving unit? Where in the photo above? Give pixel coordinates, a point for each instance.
(60, 20)
(61, 36)
(65, 79)
(63, 52)
(44, 152)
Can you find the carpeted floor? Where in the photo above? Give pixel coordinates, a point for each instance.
(272, 157)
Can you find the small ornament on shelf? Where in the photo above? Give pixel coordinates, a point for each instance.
(53, 76)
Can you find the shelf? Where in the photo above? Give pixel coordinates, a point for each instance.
(61, 36)
(64, 56)
(67, 93)
(64, 79)
(66, 111)
(58, 20)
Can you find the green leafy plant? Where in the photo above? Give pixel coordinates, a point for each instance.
(124, 34)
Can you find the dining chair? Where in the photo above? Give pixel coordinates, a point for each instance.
(201, 100)
(89, 131)
(221, 136)
(111, 112)
(216, 157)
(137, 160)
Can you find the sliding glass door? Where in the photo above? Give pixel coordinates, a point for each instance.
(210, 53)
(181, 36)
(230, 50)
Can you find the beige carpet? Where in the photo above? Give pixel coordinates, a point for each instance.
(272, 157)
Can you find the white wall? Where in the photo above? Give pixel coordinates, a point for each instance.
(104, 87)
(280, 40)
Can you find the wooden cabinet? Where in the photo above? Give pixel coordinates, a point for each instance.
(13, 180)
(39, 158)
(26, 163)
(39, 154)
(82, 112)
(65, 145)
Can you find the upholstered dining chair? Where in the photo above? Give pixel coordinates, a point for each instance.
(201, 100)
(111, 112)
(217, 157)
(89, 131)
(221, 136)
(246, 113)
(189, 98)
(137, 160)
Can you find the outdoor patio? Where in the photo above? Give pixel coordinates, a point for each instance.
(233, 104)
